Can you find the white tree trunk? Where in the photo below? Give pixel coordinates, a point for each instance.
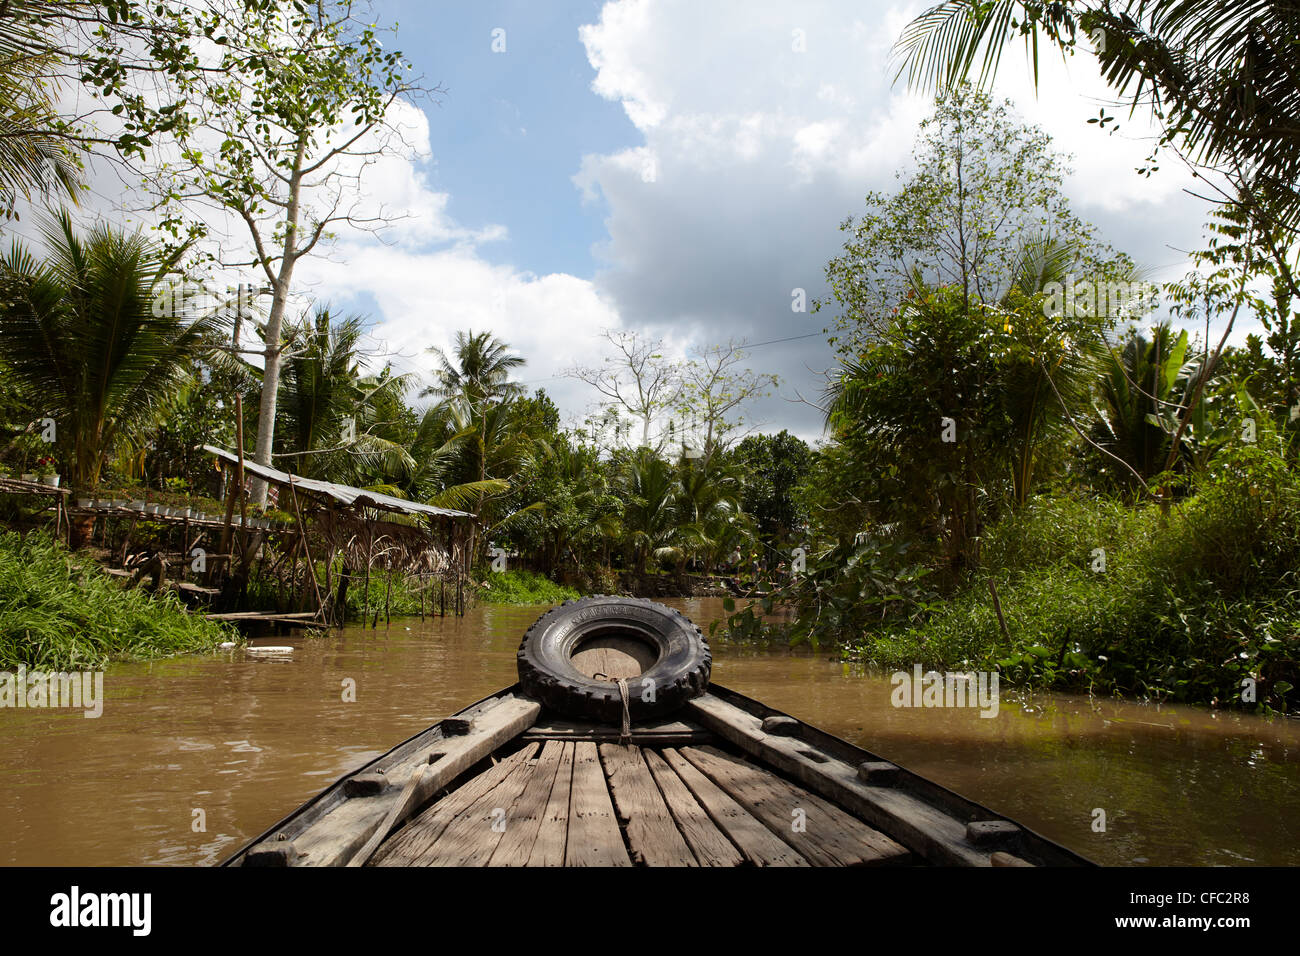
(274, 325)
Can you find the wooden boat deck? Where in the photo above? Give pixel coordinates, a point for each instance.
(582, 803)
(726, 782)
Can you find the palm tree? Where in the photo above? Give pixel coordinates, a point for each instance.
(1137, 390)
(84, 340)
(649, 488)
(36, 157)
(326, 421)
(478, 370)
(709, 512)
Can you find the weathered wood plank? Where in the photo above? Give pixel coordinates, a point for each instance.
(756, 842)
(614, 657)
(652, 832)
(669, 733)
(924, 829)
(522, 825)
(472, 838)
(709, 844)
(594, 837)
(348, 828)
(552, 835)
(410, 845)
(823, 833)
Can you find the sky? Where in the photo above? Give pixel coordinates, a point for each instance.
(677, 169)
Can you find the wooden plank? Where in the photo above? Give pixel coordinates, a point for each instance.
(613, 656)
(921, 827)
(594, 837)
(404, 807)
(669, 733)
(411, 845)
(611, 735)
(474, 835)
(552, 834)
(709, 844)
(523, 824)
(756, 842)
(337, 835)
(652, 832)
(822, 832)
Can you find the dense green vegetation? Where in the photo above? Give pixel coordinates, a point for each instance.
(523, 587)
(58, 612)
(1128, 492)
(1010, 417)
(1105, 597)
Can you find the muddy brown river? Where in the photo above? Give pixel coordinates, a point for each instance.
(194, 756)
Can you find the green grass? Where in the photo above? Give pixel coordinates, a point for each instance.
(54, 618)
(1187, 606)
(523, 587)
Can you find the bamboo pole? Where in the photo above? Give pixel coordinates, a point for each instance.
(370, 556)
(306, 549)
(388, 594)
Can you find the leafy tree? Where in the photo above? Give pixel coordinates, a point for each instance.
(772, 468)
(581, 513)
(36, 156)
(83, 340)
(986, 193)
(203, 414)
(922, 409)
(288, 104)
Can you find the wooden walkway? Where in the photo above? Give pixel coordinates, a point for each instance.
(561, 802)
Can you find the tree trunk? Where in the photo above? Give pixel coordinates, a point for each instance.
(274, 326)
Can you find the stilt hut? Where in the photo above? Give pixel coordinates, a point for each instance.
(375, 535)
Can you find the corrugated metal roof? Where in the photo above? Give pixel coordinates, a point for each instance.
(344, 494)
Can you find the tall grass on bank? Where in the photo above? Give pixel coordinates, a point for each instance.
(55, 618)
(522, 587)
(1202, 604)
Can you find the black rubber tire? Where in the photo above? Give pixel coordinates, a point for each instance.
(680, 672)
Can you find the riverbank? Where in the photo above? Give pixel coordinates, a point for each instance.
(1089, 595)
(59, 612)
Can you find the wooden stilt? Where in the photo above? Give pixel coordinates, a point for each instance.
(388, 594)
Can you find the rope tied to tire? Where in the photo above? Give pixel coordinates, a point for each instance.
(625, 735)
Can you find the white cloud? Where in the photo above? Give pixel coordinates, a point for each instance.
(751, 154)
(425, 297)
(761, 151)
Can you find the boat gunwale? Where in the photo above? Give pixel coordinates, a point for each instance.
(942, 798)
(946, 801)
(336, 789)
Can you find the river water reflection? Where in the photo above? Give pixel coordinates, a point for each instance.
(246, 739)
